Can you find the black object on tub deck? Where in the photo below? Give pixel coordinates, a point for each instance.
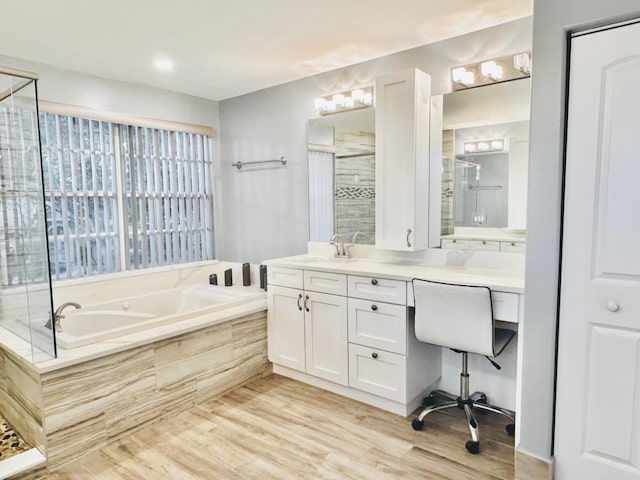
(228, 278)
(246, 274)
(213, 279)
(263, 277)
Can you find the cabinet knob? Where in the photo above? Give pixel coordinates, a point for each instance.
(612, 306)
(374, 281)
(374, 355)
(374, 307)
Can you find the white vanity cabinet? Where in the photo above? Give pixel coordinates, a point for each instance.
(406, 134)
(349, 334)
(385, 358)
(307, 322)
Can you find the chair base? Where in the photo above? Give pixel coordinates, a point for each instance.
(475, 401)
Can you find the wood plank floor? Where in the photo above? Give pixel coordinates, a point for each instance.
(277, 428)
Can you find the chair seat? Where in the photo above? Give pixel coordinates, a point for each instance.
(502, 338)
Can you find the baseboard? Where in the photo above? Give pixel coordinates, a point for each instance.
(529, 467)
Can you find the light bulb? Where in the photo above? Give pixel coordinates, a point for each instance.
(368, 98)
(358, 95)
(331, 106)
(348, 102)
(469, 147)
(338, 99)
(497, 144)
(320, 103)
(483, 146)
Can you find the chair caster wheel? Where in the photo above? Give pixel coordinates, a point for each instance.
(473, 447)
(417, 425)
(511, 429)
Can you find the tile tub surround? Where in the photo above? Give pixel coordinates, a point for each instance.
(87, 404)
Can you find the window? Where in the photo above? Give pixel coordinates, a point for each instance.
(124, 197)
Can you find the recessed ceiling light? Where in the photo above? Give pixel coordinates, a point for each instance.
(162, 64)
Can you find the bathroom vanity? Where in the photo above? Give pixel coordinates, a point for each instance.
(346, 325)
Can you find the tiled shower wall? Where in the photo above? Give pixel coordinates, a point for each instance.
(355, 198)
(447, 216)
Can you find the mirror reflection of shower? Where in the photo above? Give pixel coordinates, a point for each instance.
(481, 190)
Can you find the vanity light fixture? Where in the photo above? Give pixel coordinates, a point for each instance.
(501, 69)
(522, 63)
(344, 101)
(463, 76)
(484, 146)
(491, 70)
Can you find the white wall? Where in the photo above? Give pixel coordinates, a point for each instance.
(73, 88)
(552, 20)
(266, 209)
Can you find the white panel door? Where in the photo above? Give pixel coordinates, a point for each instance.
(327, 353)
(285, 327)
(598, 384)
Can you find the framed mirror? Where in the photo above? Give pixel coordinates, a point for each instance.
(483, 192)
(341, 149)
(485, 162)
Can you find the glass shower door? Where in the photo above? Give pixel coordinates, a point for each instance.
(25, 285)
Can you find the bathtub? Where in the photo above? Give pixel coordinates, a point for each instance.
(104, 321)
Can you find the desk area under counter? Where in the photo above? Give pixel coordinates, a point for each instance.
(347, 326)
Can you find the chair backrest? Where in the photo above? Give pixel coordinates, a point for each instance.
(454, 316)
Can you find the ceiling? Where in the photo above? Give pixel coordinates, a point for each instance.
(223, 48)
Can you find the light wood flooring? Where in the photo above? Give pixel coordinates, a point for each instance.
(277, 428)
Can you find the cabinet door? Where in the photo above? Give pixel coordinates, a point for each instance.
(403, 108)
(326, 336)
(285, 327)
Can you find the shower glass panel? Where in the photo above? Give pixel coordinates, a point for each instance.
(25, 286)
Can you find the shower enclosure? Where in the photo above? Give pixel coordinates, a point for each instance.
(25, 285)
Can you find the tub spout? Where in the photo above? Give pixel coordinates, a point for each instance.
(58, 314)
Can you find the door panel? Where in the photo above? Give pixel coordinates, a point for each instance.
(326, 337)
(597, 402)
(285, 318)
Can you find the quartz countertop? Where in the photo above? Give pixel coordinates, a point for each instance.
(495, 278)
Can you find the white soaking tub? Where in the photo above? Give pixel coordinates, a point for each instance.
(103, 321)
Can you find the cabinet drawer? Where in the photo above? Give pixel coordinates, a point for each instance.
(378, 325)
(455, 244)
(378, 289)
(505, 306)
(378, 372)
(284, 277)
(512, 247)
(325, 282)
(484, 245)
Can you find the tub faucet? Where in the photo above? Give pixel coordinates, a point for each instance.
(58, 315)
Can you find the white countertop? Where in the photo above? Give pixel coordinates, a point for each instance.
(497, 279)
(490, 237)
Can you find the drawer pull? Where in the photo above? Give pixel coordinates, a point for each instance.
(299, 298)
(484, 242)
(374, 355)
(408, 242)
(513, 244)
(374, 307)
(374, 281)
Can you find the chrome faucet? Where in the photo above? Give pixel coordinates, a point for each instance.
(58, 315)
(354, 240)
(340, 251)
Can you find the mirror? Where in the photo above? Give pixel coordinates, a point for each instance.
(341, 149)
(485, 159)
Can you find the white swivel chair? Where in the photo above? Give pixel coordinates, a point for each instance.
(459, 317)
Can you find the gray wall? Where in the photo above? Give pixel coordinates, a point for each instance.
(552, 20)
(265, 208)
